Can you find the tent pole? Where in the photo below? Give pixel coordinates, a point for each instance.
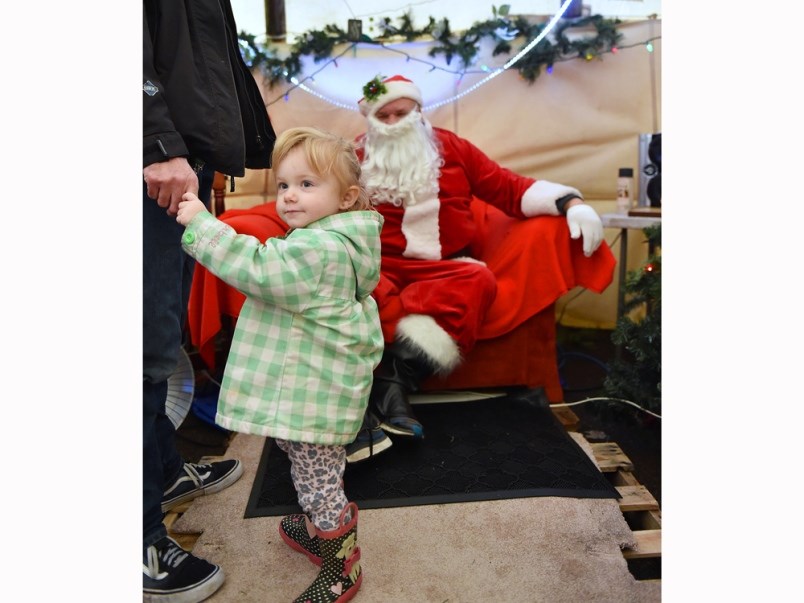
(275, 20)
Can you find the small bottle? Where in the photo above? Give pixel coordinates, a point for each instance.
(625, 183)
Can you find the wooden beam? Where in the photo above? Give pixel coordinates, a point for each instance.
(636, 498)
(566, 417)
(610, 457)
(649, 545)
(275, 20)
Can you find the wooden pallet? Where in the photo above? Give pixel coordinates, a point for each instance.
(637, 504)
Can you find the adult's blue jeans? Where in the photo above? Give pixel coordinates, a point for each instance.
(167, 276)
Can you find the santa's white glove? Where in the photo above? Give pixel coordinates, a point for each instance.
(583, 220)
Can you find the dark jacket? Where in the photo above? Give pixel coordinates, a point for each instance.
(200, 100)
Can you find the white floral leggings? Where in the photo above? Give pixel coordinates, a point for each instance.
(317, 474)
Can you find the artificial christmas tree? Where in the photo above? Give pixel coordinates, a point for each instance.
(636, 375)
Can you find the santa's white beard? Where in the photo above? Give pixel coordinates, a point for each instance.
(401, 162)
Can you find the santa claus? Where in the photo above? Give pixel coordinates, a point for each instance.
(433, 296)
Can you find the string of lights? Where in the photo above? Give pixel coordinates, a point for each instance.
(300, 83)
(492, 75)
(540, 53)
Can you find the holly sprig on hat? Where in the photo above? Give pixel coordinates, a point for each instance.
(374, 88)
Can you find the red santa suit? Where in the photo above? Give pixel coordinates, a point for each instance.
(427, 268)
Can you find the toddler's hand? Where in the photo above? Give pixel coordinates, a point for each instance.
(189, 206)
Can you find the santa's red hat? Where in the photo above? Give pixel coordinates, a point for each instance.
(378, 93)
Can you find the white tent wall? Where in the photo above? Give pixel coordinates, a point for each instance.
(304, 15)
(577, 125)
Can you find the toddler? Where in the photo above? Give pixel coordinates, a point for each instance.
(307, 339)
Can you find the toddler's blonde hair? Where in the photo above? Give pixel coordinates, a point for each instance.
(326, 153)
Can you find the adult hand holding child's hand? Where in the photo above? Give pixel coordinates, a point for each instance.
(189, 206)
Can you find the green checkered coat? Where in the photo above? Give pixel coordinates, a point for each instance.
(308, 337)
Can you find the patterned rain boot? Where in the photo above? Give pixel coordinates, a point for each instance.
(298, 532)
(341, 575)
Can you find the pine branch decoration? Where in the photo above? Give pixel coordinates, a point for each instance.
(502, 30)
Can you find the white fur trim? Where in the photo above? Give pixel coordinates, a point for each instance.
(424, 333)
(420, 227)
(396, 89)
(541, 197)
(467, 259)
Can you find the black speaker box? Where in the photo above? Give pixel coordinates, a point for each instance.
(650, 170)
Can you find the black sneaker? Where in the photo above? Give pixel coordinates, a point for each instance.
(195, 480)
(370, 440)
(172, 575)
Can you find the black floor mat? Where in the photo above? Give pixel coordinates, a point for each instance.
(510, 447)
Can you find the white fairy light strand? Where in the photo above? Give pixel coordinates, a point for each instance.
(550, 25)
(331, 101)
(507, 65)
(300, 84)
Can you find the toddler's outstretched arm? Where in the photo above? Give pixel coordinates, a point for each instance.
(189, 206)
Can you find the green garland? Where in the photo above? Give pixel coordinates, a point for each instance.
(502, 29)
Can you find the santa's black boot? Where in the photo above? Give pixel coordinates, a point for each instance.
(403, 368)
